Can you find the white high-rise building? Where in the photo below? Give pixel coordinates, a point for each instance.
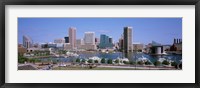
(89, 38)
(27, 42)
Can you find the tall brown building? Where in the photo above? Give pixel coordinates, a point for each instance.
(128, 47)
(72, 37)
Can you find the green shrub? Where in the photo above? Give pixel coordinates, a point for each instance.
(140, 62)
(103, 60)
(132, 62)
(32, 60)
(78, 60)
(110, 61)
(96, 61)
(117, 61)
(165, 62)
(157, 63)
(174, 64)
(22, 59)
(90, 61)
(147, 63)
(83, 60)
(37, 60)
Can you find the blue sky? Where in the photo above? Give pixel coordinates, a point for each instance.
(145, 30)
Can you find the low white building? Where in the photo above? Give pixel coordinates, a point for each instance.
(138, 47)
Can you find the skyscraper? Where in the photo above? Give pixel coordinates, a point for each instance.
(79, 42)
(27, 42)
(67, 39)
(105, 41)
(110, 40)
(97, 41)
(89, 41)
(89, 38)
(72, 37)
(127, 39)
(121, 43)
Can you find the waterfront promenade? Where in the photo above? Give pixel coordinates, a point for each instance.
(69, 66)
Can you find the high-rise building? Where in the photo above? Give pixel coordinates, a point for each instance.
(60, 40)
(111, 40)
(89, 41)
(27, 42)
(104, 42)
(72, 37)
(89, 38)
(67, 39)
(127, 39)
(121, 43)
(97, 41)
(79, 43)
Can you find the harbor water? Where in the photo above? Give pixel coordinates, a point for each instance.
(131, 56)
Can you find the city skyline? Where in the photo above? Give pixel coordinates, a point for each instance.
(48, 29)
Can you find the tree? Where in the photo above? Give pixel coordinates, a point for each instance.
(110, 61)
(132, 62)
(96, 61)
(83, 60)
(78, 60)
(126, 62)
(90, 61)
(22, 59)
(165, 62)
(37, 60)
(32, 60)
(117, 61)
(140, 62)
(157, 63)
(147, 63)
(174, 63)
(103, 60)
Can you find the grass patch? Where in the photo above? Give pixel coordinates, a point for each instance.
(87, 68)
